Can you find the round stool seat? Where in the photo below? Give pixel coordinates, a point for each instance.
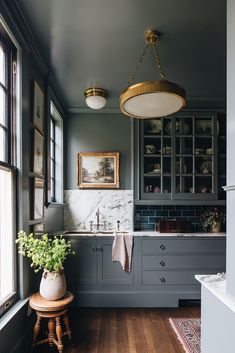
(37, 302)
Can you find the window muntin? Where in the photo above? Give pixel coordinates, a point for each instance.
(55, 187)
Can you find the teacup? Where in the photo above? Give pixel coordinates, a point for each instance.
(150, 149)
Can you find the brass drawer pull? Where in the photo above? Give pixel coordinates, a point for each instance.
(162, 279)
(162, 247)
(162, 263)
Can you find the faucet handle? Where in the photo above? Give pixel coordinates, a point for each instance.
(91, 225)
(118, 225)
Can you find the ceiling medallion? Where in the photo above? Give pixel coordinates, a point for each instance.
(96, 97)
(151, 99)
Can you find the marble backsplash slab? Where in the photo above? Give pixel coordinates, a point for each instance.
(114, 205)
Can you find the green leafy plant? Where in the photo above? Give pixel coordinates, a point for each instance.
(212, 218)
(45, 253)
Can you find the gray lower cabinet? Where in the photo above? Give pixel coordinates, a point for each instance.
(163, 270)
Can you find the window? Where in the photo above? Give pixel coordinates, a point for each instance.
(52, 157)
(56, 156)
(7, 170)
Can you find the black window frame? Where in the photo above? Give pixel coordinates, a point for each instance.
(9, 127)
(52, 157)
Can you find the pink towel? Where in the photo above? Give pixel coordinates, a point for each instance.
(122, 250)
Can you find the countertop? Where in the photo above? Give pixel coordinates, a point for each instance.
(143, 234)
(216, 284)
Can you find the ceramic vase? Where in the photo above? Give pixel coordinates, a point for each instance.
(53, 285)
(216, 228)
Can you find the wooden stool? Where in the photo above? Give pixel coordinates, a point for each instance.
(54, 311)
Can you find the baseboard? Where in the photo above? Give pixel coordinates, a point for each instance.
(132, 299)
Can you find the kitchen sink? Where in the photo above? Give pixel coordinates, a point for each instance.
(94, 233)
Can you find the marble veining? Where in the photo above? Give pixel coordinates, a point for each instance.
(114, 205)
(216, 284)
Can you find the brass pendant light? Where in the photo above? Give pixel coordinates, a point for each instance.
(151, 99)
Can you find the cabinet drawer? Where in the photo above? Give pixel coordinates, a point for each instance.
(186, 245)
(183, 261)
(169, 277)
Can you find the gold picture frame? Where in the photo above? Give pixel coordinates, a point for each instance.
(38, 153)
(98, 170)
(38, 198)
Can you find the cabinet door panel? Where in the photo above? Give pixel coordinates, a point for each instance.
(82, 267)
(111, 273)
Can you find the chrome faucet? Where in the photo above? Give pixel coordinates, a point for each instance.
(97, 224)
(97, 219)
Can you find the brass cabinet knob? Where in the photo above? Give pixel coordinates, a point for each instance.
(162, 247)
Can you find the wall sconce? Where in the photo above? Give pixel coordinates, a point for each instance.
(96, 98)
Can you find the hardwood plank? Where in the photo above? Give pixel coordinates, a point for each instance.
(124, 330)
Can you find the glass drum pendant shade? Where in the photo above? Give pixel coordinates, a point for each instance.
(152, 99)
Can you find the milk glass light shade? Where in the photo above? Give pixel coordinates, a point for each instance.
(96, 98)
(151, 99)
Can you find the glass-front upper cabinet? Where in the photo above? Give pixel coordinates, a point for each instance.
(178, 157)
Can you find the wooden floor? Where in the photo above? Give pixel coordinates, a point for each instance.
(121, 330)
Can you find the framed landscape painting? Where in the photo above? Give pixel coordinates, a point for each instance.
(38, 148)
(38, 107)
(98, 170)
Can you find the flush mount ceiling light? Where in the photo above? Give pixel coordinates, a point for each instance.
(96, 97)
(151, 99)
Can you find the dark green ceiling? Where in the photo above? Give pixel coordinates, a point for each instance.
(99, 42)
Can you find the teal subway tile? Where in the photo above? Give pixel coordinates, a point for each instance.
(141, 207)
(162, 213)
(168, 207)
(188, 213)
(154, 219)
(148, 213)
(155, 207)
(175, 213)
(148, 226)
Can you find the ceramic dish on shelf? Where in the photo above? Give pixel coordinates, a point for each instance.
(209, 151)
(206, 167)
(199, 150)
(154, 126)
(184, 128)
(204, 127)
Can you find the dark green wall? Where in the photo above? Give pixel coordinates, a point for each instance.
(98, 133)
(15, 334)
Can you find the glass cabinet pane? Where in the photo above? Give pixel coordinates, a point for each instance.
(157, 157)
(179, 157)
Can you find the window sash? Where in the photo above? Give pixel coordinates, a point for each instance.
(52, 158)
(8, 204)
(8, 293)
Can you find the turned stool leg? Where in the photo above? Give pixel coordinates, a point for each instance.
(51, 331)
(36, 329)
(67, 325)
(59, 334)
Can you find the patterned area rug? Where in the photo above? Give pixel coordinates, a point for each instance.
(188, 332)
